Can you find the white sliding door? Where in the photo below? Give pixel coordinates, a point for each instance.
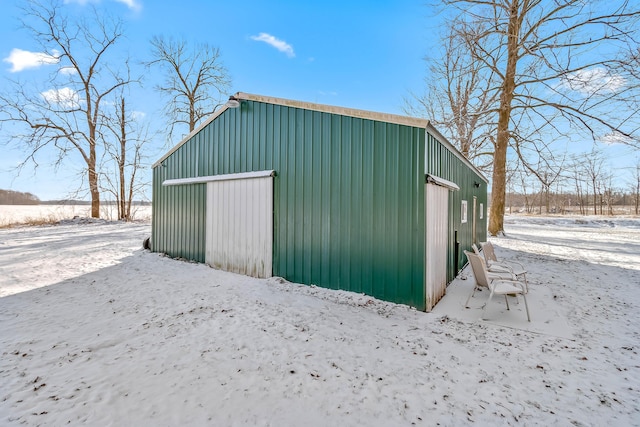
(240, 225)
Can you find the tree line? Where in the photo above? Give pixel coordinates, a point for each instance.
(585, 184)
(584, 188)
(606, 202)
(10, 197)
(83, 109)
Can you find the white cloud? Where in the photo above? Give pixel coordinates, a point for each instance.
(131, 4)
(65, 97)
(281, 45)
(616, 138)
(23, 59)
(138, 115)
(593, 81)
(68, 70)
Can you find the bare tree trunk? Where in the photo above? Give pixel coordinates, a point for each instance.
(93, 172)
(547, 187)
(122, 161)
(192, 115)
(595, 199)
(579, 195)
(637, 189)
(496, 216)
(95, 193)
(498, 190)
(130, 198)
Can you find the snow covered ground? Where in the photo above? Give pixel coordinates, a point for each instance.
(96, 331)
(22, 214)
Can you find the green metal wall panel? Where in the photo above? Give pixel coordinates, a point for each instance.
(178, 220)
(442, 162)
(348, 196)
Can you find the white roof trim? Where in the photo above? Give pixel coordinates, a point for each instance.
(442, 182)
(213, 178)
(344, 111)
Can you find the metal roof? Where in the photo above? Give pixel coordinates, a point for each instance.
(343, 111)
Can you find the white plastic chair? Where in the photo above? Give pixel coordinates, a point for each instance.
(493, 264)
(496, 271)
(495, 286)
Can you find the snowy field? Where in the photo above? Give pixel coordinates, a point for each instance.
(96, 331)
(36, 214)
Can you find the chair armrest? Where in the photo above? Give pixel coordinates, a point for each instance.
(501, 275)
(498, 267)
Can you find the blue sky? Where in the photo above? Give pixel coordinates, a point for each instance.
(358, 54)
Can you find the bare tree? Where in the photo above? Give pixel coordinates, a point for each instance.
(594, 168)
(66, 115)
(577, 176)
(124, 140)
(512, 174)
(458, 98)
(528, 204)
(607, 194)
(195, 80)
(548, 79)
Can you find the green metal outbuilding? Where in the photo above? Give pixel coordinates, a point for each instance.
(340, 198)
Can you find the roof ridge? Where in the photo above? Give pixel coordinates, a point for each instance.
(333, 109)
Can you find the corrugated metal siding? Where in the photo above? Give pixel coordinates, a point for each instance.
(440, 161)
(240, 226)
(436, 242)
(348, 197)
(178, 221)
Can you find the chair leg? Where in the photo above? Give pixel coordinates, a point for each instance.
(484, 309)
(466, 304)
(526, 283)
(507, 301)
(526, 306)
